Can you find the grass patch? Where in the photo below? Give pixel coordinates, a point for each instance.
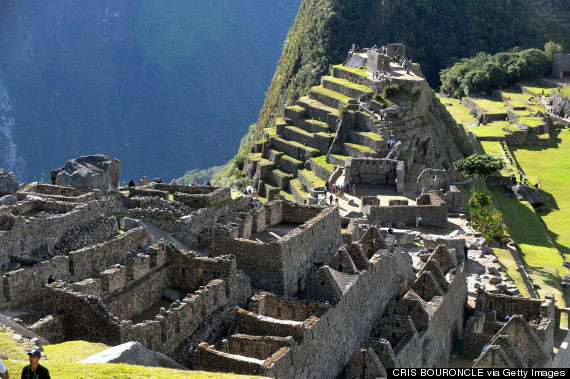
(358, 71)
(361, 148)
(348, 84)
(564, 91)
(459, 112)
(531, 121)
(536, 89)
(371, 135)
(321, 160)
(311, 177)
(317, 105)
(490, 105)
(492, 129)
(330, 93)
(541, 259)
(510, 266)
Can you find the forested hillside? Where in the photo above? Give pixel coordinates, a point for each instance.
(436, 33)
(165, 86)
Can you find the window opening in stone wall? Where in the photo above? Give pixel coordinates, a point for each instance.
(322, 283)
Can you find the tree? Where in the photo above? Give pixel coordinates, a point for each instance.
(480, 165)
(552, 49)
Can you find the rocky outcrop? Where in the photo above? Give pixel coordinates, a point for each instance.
(91, 171)
(133, 353)
(533, 195)
(559, 105)
(8, 183)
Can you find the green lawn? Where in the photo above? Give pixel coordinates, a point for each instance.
(490, 105)
(565, 91)
(492, 129)
(531, 121)
(510, 266)
(61, 361)
(358, 71)
(537, 89)
(540, 257)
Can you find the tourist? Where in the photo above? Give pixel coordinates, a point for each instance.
(173, 181)
(159, 180)
(51, 279)
(146, 248)
(418, 220)
(354, 190)
(507, 318)
(3, 371)
(34, 370)
(208, 183)
(336, 199)
(131, 183)
(331, 199)
(194, 183)
(139, 248)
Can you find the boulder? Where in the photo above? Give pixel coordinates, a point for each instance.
(90, 172)
(8, 200)
(533, 195)
(133, 353)
(8, 183)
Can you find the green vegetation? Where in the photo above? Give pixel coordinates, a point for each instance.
(492, 129)
(536, 89)
(484, 219)
(486, 72)
(362, 71)
(61, 360)
(480, 165)
(510, 266)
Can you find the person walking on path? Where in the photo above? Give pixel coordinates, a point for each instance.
(3, 371)
(418, 220)
(34, 370)
(354, 190)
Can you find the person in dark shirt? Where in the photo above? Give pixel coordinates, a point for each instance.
(51, 279)
(34, 370)
(131, 183)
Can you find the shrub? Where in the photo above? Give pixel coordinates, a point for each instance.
(393, 90)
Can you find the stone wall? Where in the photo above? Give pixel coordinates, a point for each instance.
(38, 236)
(372, 170)
(377, 61)
(59, 193)
(269, 264)
(87, 315)
(90, 261)
(27, 284)
(433, 212)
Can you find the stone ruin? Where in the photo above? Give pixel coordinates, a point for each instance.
(437, 181)
(259, 289)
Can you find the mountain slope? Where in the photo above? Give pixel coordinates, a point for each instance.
(436, 34)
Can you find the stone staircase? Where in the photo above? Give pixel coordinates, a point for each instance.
(295, 156)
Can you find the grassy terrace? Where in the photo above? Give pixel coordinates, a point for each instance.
(565, 91)
(361, 148)
(358, 71)
(318, 105)
(537, 89)
(531, 121)
(490, 105)
(494, 148)
(322, 161)
(457, 110)
(61, 361)
(348, 84)
(492, 129)
(371, 135)
(330, 93)
(510, 266)
(313, 179)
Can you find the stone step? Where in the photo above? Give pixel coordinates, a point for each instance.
(320, 141)
(273, 155)
(320, 167)
(328, 97)
(318, 111)
(293, 148)
(295, 112)
(346, 87)
(309, 179)
(370, 139)
(280, 178)
(358, 151)
(289, 164)
(313, 126)
(338, 160)
(264, 167)
(297, 190)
